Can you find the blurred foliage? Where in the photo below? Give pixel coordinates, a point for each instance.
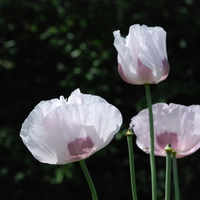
(49, 48)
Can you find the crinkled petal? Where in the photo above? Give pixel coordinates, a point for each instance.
(78, 98)
(127, 64)
(153, 54)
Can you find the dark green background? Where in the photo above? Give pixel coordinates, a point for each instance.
(49, 48)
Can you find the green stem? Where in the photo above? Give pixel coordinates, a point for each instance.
(89, 179)
(129, 135)
(168, 150)
(175, 174)
(152, 156)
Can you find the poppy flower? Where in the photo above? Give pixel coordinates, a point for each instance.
(174, 124)
(142, 56)
(61, 131)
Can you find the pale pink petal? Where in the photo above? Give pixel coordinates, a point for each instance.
(123, 50)
(79, 98)
(125, 59)
(128, 76)
(153, 54)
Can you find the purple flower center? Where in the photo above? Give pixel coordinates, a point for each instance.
(81, 148)
(167, 138)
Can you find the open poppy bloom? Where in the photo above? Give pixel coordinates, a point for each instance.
(174, 124)
(61, 131)
(142, 56)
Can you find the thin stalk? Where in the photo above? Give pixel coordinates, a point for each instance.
(129, 135)
(152, 156)
(89, 180)
(175, 175)
(168, 150)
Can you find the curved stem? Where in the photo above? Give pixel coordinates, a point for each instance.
(89, 179)
(152, 156)
(129, 135)
(175, 174)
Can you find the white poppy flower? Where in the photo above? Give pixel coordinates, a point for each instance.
(142, 56)
(60, 131)
(174, 124)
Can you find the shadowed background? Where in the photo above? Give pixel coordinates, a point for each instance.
(49, 48)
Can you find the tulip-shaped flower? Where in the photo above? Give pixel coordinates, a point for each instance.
(174, 124)
(142, 56)
(61, 131)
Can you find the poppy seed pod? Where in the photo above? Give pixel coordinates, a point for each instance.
(61, 131)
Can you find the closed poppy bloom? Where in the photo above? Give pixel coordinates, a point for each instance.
(174, 124)
(61, 131)
(142, 56)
